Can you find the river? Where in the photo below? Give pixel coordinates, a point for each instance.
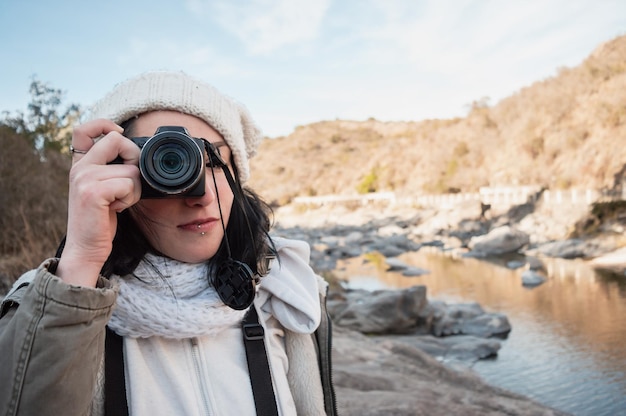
(567, 345)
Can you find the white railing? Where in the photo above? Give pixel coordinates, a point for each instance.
(388, 197)
(494, 196)
(571, 196)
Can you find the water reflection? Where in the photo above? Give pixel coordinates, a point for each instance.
(566, 348)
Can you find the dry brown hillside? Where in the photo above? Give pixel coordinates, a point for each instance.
(566, 131)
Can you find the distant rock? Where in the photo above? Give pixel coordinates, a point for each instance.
(465, 348)
(531, 278)
(500, 240)
(397, 265)
(614, 261)
(566, 249)
(414, 271)
(381, 311)
(515, 264)
(467, 319)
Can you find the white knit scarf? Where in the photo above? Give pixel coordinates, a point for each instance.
(176, 302)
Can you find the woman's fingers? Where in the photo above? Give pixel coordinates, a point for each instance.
(85, 135)
(109, 148)
(102, 186)
(126, 191)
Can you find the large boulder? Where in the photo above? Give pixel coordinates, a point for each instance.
(567, 249)
(468, 319)
(380, 311)
(500, 240)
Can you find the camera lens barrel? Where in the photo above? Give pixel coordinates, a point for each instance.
(172, 163)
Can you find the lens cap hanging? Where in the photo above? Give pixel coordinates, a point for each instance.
(234, 283)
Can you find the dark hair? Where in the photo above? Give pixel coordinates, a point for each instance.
(246, 239)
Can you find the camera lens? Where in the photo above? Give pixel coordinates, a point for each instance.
(171, 162)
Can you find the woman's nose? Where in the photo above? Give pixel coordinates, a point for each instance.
(204, 200)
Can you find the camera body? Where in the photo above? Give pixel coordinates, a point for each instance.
(172, 163)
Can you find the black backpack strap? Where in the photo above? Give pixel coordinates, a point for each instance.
(258, 365)
(114, 382)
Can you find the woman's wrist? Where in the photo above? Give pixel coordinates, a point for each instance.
(77, 272)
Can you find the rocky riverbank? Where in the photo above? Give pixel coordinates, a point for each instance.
(400, 353)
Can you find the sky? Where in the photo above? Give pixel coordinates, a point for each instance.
(295, 62)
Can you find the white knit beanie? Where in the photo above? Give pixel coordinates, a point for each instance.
(179, 92)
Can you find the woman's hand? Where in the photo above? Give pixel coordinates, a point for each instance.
(98, 191)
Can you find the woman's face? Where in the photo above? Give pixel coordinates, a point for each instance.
(186, 229)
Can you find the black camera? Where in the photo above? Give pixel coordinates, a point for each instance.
(171, 163)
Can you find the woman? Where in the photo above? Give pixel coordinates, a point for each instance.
(166, 255)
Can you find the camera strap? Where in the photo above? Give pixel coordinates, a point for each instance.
(234, 281)
(115, 399)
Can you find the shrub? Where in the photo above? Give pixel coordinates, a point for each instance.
(369, 183)
(33, 203)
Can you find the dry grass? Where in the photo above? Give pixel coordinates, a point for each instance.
(33, 207)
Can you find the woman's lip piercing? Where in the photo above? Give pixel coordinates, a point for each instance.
(198, 226)
(202, 233)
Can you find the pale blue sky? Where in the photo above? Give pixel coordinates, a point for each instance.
(294, 62)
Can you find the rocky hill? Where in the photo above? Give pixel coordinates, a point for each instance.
(565, 131)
